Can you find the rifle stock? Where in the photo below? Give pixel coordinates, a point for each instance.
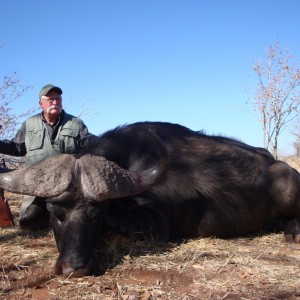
(6, 217)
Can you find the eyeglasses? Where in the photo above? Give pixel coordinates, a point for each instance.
(51, 100)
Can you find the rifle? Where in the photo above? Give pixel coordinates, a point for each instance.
(6, 217)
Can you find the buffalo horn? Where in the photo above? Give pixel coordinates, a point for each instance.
(48, 178)
(93, 177)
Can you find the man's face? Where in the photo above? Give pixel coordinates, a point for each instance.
(51, 104)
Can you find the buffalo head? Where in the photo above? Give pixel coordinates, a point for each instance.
(77, 190)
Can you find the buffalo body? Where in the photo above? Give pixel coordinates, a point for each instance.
(174, 183)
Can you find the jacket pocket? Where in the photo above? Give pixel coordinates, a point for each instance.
(68, 141)
(36, 138)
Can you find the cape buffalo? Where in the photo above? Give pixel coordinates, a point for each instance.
(162, 180)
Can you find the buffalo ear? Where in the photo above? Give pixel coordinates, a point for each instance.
(47, 178)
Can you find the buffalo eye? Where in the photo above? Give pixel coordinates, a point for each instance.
(95, 210)
(92, 212)
(56, 211)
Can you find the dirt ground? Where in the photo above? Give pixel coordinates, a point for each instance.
(262, 266)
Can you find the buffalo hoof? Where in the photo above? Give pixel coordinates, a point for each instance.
(292, 231)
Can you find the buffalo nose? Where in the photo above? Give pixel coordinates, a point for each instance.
(66, 270)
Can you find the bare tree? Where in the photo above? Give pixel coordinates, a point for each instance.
(297, 146)
(11, 90)
(295, 131)
(277, 97)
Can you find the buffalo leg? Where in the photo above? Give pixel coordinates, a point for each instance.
(285, 197)
(292, 231)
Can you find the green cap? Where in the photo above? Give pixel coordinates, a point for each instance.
(47, 88)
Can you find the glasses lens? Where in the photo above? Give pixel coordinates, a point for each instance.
(52, 100)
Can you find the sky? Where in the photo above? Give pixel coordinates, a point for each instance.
(122, 61)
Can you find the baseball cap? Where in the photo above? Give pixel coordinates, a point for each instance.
(47, 88)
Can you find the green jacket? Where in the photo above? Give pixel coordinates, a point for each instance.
(38, 141)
